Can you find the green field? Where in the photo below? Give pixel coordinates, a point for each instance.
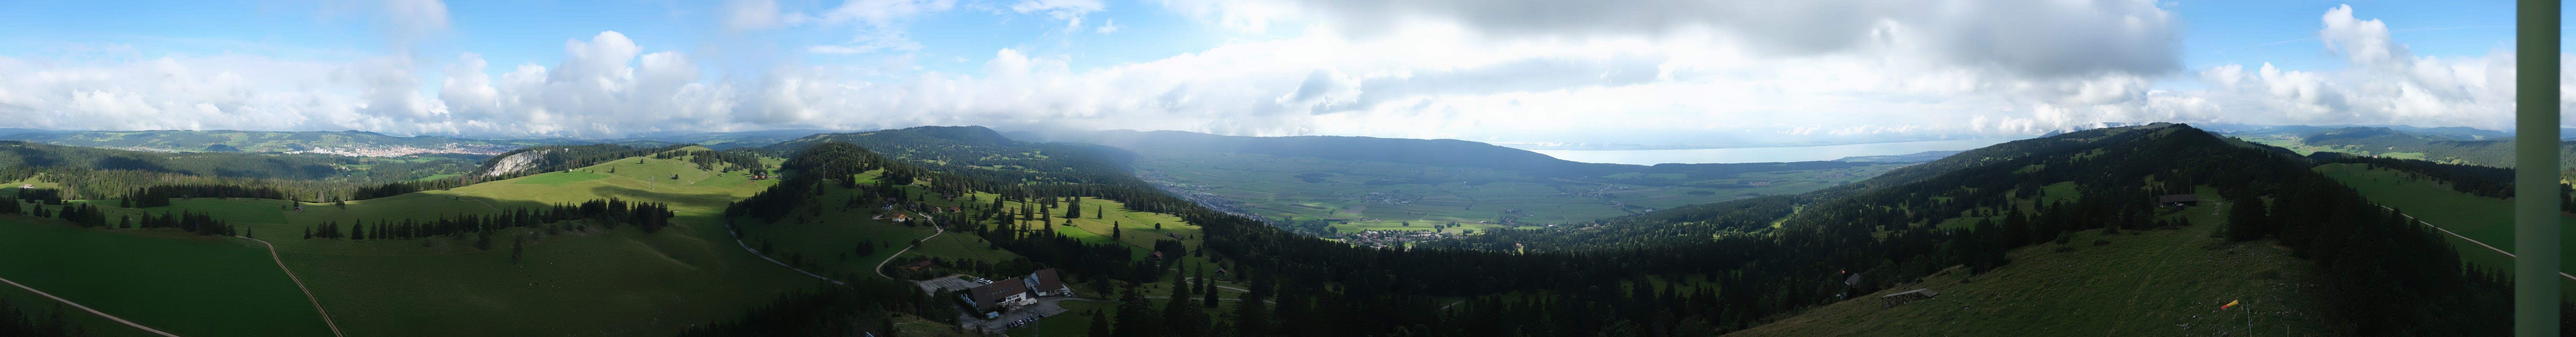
(2144, 283)
(571, 281)
(2488, 220)
(191, 286)
(1340, 191)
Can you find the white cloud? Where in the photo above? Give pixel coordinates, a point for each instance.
(1110, 26)
(2384, 84)
(755, 15)
(415, 19)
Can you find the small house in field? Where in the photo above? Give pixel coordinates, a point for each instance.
(899, 217)
(2178, 200)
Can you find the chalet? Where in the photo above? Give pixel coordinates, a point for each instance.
(899, 217)
(1015, 292)
(1157, 255)
(918, 266)
(2178, 200)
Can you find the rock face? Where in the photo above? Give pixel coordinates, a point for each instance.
(514, 163)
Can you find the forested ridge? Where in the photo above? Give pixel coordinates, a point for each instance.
(2401, 279)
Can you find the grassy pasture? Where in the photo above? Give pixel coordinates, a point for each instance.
(2488, 220)
(618, 282)
(2151, 282)
(180, 283)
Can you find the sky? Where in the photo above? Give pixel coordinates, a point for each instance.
(1594, 71)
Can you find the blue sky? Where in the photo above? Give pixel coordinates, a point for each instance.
(1613, 71)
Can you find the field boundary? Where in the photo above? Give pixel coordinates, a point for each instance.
(299, 285)
(737, 240)
(2561, 273)
(86, 308)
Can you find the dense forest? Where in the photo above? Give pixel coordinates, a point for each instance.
(2402, 279)
(31, 323)
(606, 213)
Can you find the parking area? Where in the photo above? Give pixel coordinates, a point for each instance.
(1044, 307)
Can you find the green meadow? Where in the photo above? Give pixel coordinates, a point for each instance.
(575, 280)
(175, 282)
(2488, 220)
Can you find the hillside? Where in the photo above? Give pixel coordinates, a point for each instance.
(572, 276)
(2429, 144)
(1979, 210)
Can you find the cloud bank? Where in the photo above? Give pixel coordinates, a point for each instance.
(1511, 70)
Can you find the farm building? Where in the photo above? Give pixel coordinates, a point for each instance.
(1015, 292)
(2178, 200)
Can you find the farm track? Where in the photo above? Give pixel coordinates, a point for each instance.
(86, 308)
(2466, 238)
(737, 240)
(299, 285)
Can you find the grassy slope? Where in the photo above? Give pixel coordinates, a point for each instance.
(191, 286)
(2488, 220)
(2157, 282)
(619, 282)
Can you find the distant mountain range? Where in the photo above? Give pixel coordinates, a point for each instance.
(362, 143)
(1434, 152)
(1917, 157)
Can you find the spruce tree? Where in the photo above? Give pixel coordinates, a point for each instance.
(2247, 220)
(1099, 323)
(1208, 288)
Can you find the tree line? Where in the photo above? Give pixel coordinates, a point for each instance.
(609, 213)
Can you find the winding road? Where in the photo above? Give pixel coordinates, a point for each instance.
(936, 231)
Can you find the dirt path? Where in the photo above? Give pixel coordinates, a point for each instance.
(91, 311)
(299, 285)
(737, 240)
(2465, 238)
(1220, 286)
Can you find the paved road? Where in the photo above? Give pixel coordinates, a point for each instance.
(2480, 244)
(299, 285)
(737, 240)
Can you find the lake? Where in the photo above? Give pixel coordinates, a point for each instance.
(1767, 154)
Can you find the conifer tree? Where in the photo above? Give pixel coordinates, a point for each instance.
(1099, 323)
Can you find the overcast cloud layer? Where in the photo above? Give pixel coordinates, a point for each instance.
(1490, 70)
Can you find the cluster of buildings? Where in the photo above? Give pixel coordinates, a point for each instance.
(405, 150)
(1392, 238)
(991, 300)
